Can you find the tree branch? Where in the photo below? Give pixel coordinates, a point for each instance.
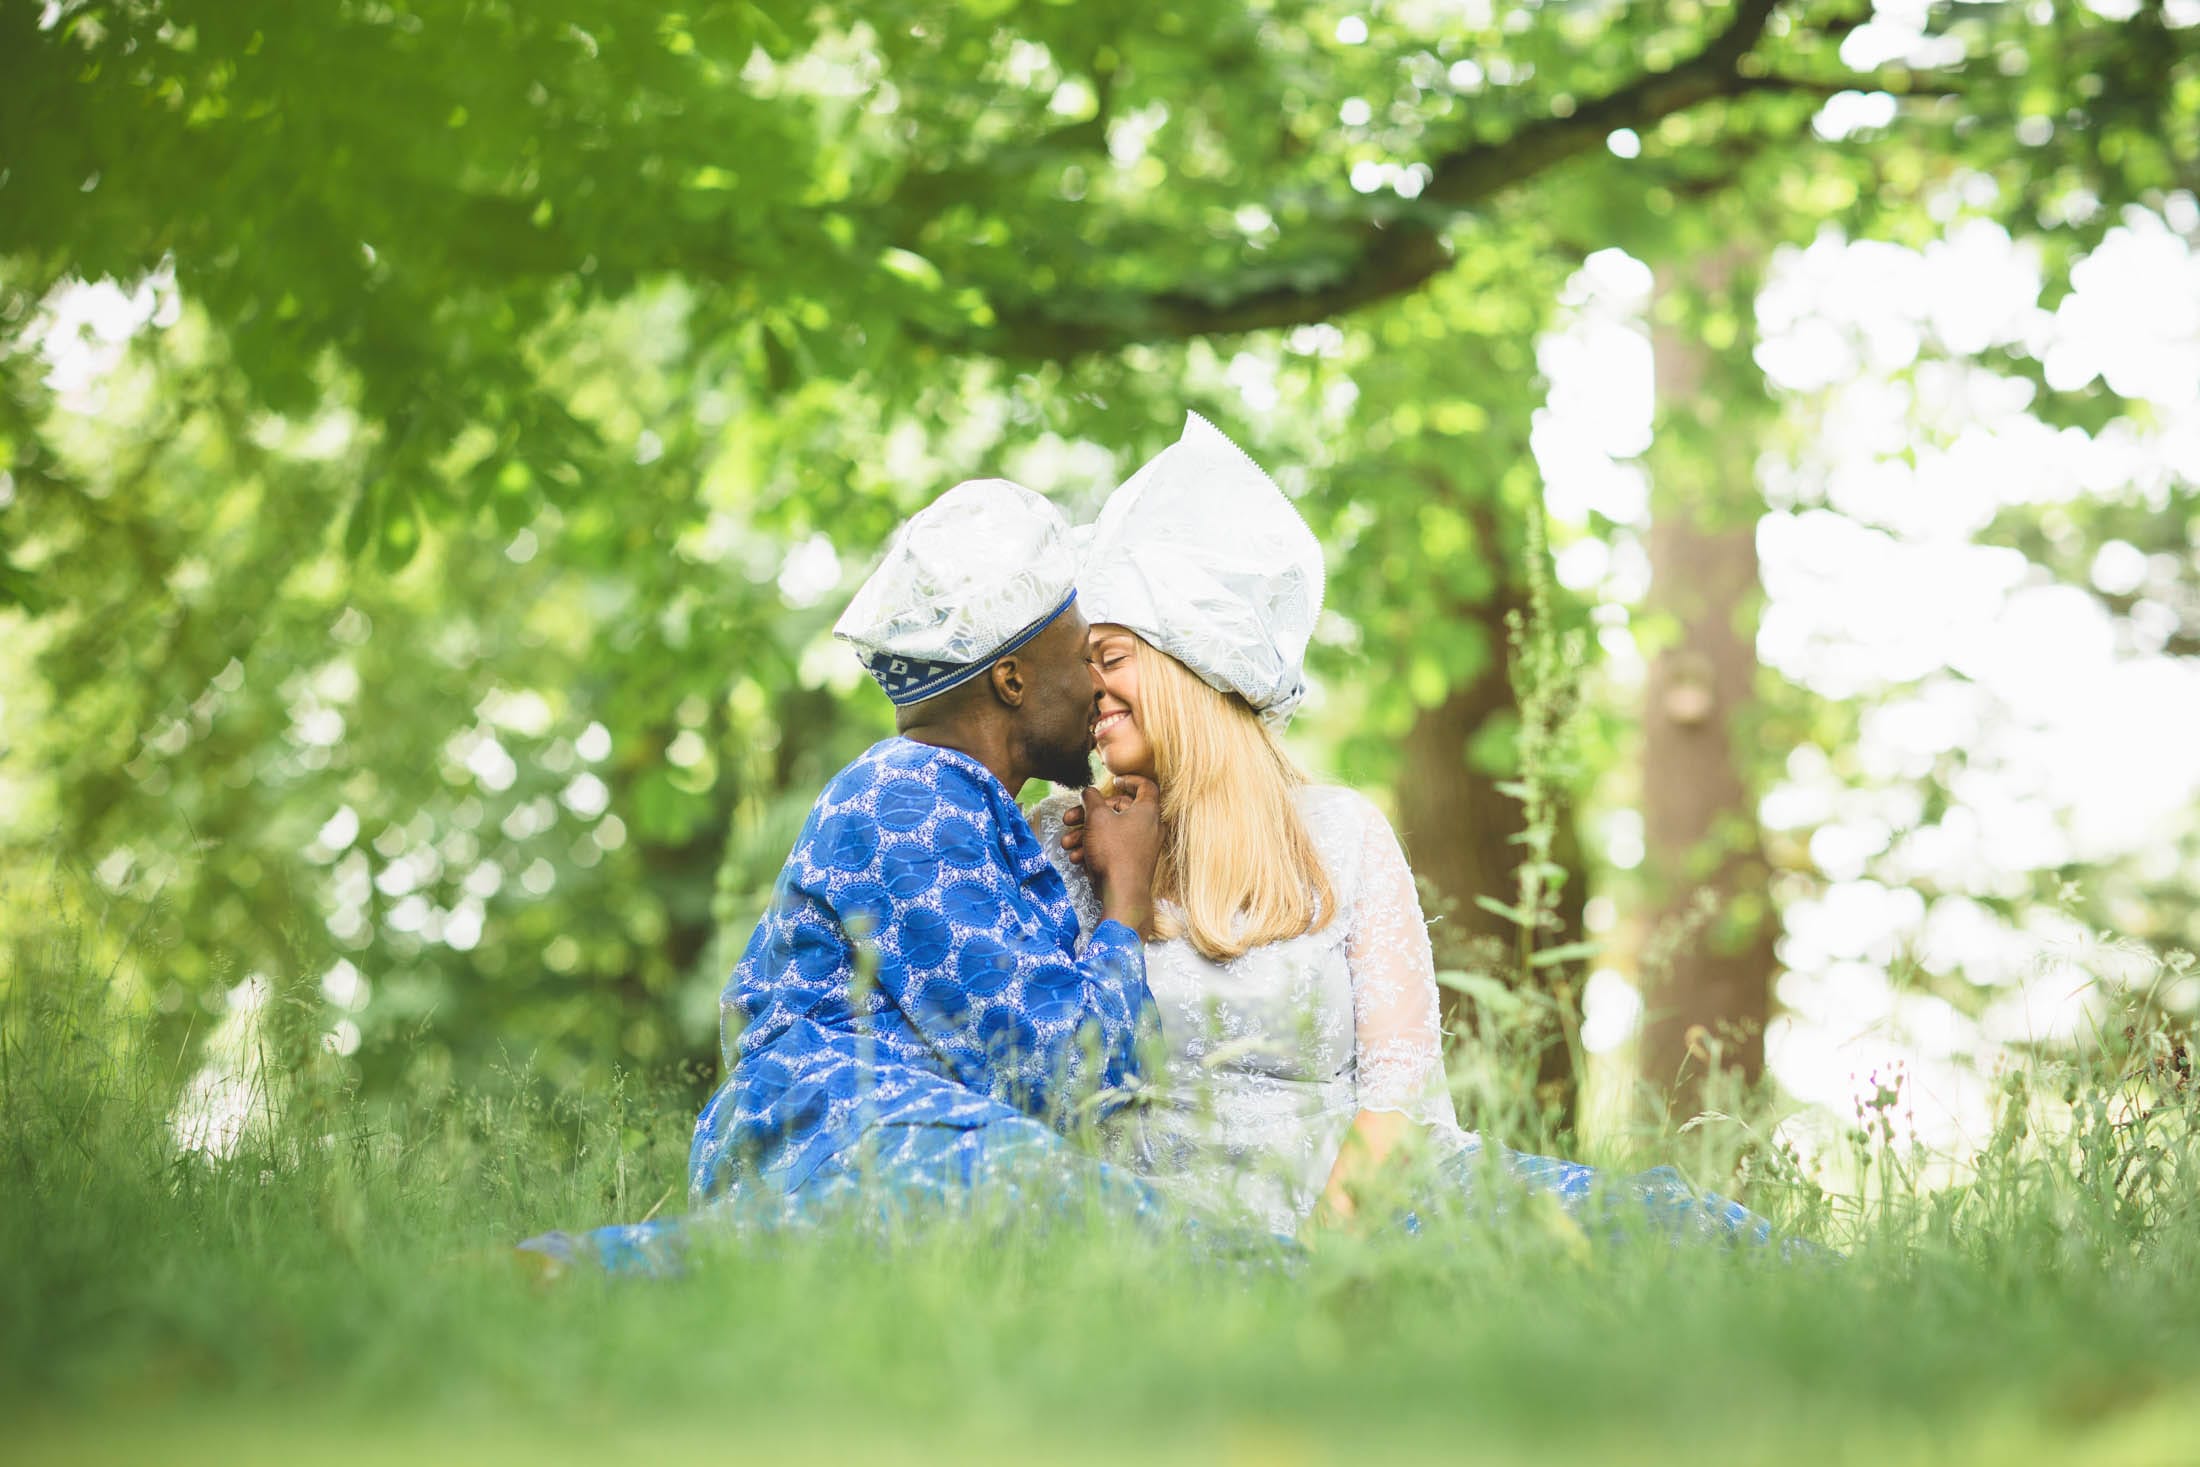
(1898, 84)
(1394, 257)
(1476, 172)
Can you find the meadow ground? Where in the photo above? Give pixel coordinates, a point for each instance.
(343, 1290)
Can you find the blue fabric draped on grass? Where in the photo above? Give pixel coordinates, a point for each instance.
(913, 1025)
(1028, 1177)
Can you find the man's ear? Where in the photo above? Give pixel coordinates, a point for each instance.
(1009, 682)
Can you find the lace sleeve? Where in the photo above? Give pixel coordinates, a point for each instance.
(1046, 822)
(1398, 1041)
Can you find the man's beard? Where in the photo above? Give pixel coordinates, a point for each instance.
(1066, 765)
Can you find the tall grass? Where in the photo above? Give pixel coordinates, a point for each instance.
(304, 1270)
(342, 1285)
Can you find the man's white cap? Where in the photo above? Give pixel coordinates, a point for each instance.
(1202, 555)
(971, 577)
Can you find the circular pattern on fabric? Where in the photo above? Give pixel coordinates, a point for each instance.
(864, 904)
(1056, 979)
(847, 842)
(817, 953)
(985, 965)
(925, 937)
(909, 870)
(963, 793)
(972, 904)
(942, 1000)
(803, 1109)
(960, 843)
(1056, 1012)
(855, 779)
(748, 1138)
(1006, 1034)
(763, 1078)
(905, 804)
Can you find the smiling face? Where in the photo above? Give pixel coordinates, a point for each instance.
(1057, 710)
(1116, 733)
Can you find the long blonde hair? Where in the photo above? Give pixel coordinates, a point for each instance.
(1235, 856)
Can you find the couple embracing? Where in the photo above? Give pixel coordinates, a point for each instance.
(1215, 968)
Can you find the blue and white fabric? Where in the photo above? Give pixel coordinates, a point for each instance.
(920, 969)
(908, 679)
(1010, 1173)
(968, 579)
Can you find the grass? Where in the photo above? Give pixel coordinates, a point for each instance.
(342, 1289)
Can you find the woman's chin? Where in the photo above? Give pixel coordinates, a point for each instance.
(1118, 763)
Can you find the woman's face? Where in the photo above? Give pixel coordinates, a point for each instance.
(1115, 731)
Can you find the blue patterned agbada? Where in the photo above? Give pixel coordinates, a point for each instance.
(916, 985)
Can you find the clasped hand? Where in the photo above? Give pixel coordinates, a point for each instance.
(1116, 837)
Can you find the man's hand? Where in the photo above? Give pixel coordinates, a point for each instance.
(1116, 837)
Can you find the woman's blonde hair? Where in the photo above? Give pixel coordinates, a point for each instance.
(1235, 856)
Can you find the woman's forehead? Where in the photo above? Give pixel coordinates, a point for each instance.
(1106, 631)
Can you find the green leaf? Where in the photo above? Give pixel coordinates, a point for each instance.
(400, 537)
(1513, 915)
(359, 523)
(914, 268)
(1485, 990)
(19, 588)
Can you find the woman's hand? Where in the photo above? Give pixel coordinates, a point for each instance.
(1375, 1136)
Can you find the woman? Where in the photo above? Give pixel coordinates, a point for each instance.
(1288, 956)
(1293, 972)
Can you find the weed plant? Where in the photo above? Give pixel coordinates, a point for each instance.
(342, 1284)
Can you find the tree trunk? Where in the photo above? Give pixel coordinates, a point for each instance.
(1708, 964)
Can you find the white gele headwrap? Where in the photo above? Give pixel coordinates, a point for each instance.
(968, 579)
(1202, 555)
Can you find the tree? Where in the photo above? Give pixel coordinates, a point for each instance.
(526, 336)
(1709, 991)
(512, 168)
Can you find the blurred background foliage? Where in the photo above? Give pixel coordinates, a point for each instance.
(426, 597)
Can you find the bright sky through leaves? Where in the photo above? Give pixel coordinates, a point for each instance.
(2079, 734)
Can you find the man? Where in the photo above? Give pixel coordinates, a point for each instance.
(915, 995)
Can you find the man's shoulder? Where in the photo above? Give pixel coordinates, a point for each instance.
(899, 781)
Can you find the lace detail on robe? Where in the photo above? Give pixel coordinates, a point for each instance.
(1397, 1037)
(1267, 1058)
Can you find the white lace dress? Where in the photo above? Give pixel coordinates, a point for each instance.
(1269, 1057)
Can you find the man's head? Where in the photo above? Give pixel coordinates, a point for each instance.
(1034, 703)
(970, 625)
